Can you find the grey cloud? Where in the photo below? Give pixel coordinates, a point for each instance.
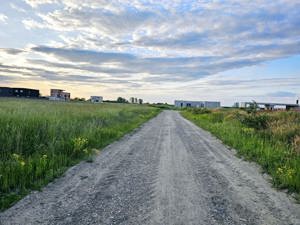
(85, 68)
(287, 81)
(282, 94)
(79, 55)
(236, 34)
(11, 51)
(185, 67)
(37, 74)
(157, 69)
(185, 40)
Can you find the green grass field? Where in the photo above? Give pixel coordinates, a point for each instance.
(272, 139)
(40, 139)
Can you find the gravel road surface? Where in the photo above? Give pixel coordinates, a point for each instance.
(167, 172)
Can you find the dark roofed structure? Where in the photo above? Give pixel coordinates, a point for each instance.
(19, 92)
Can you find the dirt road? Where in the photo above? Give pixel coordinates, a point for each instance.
(167, 172)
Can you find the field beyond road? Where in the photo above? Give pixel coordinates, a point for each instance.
(167, 172)
(40, 139)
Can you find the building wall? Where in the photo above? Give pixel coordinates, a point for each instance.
(59, 95)
(19, 92)
(6, 92)
(66, 96)
(25, 92)
(197, 104)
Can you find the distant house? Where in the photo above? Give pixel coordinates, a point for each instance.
(96, 99)
(59, 95)
(19, 92)
(197, 104)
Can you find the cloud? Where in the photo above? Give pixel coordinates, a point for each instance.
(3, 18)
(37, 3)
(282, 94)
(17, 8)
(150, 44)
(157, 68)
(84, 55)
(31, 24)
(239, 29)
(11, 51)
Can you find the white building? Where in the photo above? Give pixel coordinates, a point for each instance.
(197, 104)
(96, 99)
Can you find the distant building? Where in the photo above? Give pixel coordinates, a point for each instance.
(269, 105)
(19, 92)
(96, 99)
(197, 104)
(59, 95)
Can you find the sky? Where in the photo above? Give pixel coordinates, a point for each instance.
(218, 50)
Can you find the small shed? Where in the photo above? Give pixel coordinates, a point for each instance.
(96, 99)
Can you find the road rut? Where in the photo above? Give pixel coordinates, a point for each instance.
(168, 171)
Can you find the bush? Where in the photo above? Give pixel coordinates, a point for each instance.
(256, 121)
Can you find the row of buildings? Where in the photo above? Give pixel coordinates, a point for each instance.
(55, 94)
(258, 105)
(62, 95)
(267, 105)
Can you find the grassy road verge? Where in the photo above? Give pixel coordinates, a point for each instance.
(39, 140)
(272, 139)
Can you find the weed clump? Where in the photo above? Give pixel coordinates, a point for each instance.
(256, 121)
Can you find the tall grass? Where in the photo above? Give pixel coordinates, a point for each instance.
(40, 139)
(271, 139)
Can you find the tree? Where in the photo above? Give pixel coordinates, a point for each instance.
(121, 100)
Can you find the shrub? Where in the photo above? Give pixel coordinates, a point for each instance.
(256, 121)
